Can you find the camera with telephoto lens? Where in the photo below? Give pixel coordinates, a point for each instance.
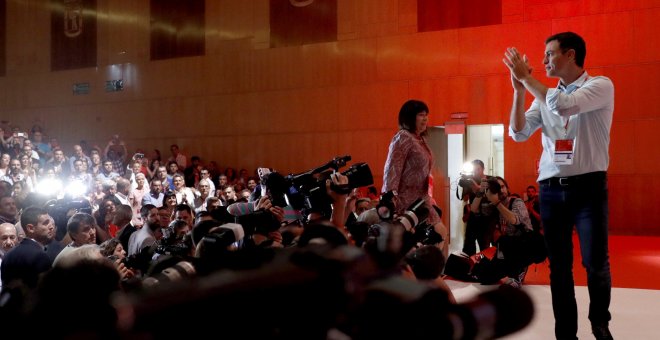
(391, 238)
(416, 213)
(307, 190)
(178, 249)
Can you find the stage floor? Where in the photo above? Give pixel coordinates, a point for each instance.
(635, 306)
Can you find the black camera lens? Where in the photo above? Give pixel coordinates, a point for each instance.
(359, 175)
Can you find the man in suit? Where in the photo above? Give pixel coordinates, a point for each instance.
(145, 236)
(28, 260)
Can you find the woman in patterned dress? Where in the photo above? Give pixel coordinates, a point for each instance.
(409, 162)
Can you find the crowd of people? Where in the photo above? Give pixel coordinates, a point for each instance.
(181, 232)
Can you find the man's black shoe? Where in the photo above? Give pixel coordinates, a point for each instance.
(601, 331)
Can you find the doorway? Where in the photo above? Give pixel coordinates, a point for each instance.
(451, 151)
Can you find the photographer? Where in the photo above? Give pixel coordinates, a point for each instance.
(114, 251)
(481, 220)
(262, 220)
(513, 221)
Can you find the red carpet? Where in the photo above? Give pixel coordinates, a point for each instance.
(634, 260)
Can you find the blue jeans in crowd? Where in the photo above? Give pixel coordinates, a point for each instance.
(579, 201)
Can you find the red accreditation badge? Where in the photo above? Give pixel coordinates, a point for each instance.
(563, 152)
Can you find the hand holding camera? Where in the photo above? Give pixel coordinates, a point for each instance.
(263, 203)
(337, 186)
(493, 191)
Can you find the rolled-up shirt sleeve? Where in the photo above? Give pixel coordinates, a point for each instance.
(533, 122)
(591, 96)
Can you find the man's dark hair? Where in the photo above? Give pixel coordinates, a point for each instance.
(183, 207)
(144, 211)
(31, 215)
(571, 41)
(506, 184)
(408, 114)
(73, 226)
(202, 214)
(427, 262)
(479, 163)
(5, 189)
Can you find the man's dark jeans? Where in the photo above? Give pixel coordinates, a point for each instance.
(579, 201)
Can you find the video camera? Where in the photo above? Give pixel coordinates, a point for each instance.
(307, 190)
(466, 181)
(60, 210)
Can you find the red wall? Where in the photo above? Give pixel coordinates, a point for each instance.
(622, 44)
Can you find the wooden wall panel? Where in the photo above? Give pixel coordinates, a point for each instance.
(424, 55)
(27, 56)
(482, 48)
(632, 86)
(647, 156)
(367, 18)
(122, 33)
(3, 38)
(622, 142)
(296, 25)
(373, 106)
(600, 46)
(645, 35)
(229, 21)
(245, 105)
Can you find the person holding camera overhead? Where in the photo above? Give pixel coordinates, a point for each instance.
(409, 162)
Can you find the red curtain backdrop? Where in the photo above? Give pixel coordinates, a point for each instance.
(300, 22)
(73, 34)
(3, 37)
(436, 15)
(177, 29)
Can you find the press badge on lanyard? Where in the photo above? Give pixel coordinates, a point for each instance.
(564, 149)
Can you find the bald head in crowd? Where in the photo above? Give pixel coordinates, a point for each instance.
(8, 237)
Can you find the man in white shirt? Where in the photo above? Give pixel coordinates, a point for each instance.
(575, 119)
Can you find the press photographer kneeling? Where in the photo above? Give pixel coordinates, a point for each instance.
(517, 245)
